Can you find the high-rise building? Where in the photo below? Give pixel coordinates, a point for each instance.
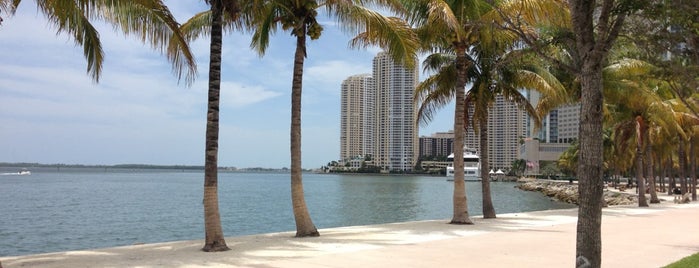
(568, 123)
(439, 144)
(560, 125)
(559, 128)
(378, 116)
(395, 135)
(357, 120)
(507, 125)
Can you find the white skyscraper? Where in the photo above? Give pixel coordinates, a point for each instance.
(378, 116)
(507, 125)
(357, 116)
(396, 134)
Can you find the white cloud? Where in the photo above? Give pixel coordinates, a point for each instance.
(237, 95)
(330, 74)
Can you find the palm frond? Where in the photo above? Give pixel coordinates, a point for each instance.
(434, 93)
(436, 61)
(9, 6)
(70, 18)
(393, 34)
(152, 22)
(430, 103)
(266, 26)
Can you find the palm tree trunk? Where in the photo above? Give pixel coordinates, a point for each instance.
(649, 167)
(304, 224)
(488, 209)
(661, 171)
(640, 130)
(672, 184)
(212, 219)
(590, 185)
(459, 199)
(682, 159)
(639, 180)
(693, 168)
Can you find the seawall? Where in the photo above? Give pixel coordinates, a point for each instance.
(566, 192)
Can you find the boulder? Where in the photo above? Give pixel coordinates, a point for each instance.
(565, 192)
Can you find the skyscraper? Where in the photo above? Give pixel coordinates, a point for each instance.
(395, 142)
(378, 116)
(357, 119)
(507, 125)
(560, 125)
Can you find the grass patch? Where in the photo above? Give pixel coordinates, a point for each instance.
(687, 262)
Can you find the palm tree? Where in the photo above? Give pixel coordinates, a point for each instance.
(593, 29)
(300, 18)
(222, 15)
(214, 238)
(518, 167)
(442, 26)
(633, 117)
(150, 20)
(688, 121)
(568, 161)
(478, 53)
(504, 73)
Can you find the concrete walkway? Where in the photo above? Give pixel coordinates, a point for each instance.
(631, 237)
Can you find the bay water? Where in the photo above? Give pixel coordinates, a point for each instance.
(80, 208)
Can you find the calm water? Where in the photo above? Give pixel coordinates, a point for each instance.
(77, 209)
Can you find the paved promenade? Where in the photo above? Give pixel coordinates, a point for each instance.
(631, 237)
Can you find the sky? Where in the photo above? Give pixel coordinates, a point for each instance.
(52, 112)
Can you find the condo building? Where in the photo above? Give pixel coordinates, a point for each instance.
(438, 144)
(507, 125)
(378, 116)
(395, 135)
(357, 120)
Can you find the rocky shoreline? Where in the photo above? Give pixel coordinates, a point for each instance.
(566, 192)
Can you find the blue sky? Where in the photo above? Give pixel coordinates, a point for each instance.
(52, 112)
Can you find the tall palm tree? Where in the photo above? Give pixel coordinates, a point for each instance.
(593, 29)
(505, 73)
(299, 17)
(214, 238)
(633, 117)
(442, 26)
(222, 15)
(150, 20)
(471, 48)
(688, 120)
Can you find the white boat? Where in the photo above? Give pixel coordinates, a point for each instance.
(21, 172)
(472, 165)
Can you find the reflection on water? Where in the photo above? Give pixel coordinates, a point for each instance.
(77, 209)
(361, 197)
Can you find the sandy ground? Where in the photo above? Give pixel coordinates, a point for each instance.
(631, 237)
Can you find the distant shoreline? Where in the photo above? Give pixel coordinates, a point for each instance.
(141, 167)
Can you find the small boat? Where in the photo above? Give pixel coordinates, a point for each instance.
(24, 171)
(472, 165)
